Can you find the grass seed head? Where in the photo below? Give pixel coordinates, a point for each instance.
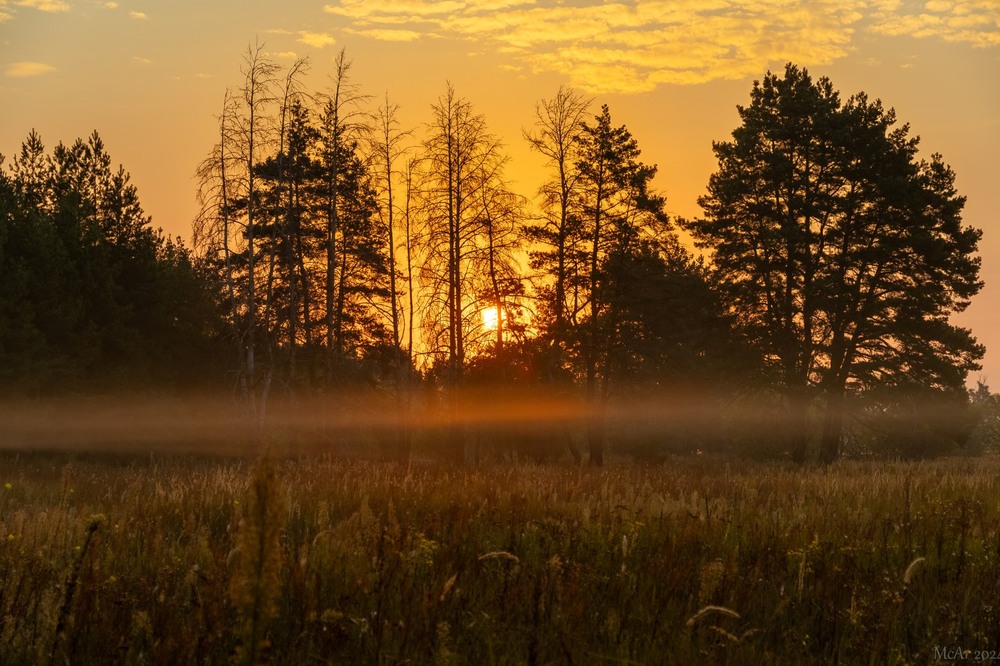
(912, 570)
(711, 610)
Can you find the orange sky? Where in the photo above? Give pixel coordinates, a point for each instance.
(150, 76)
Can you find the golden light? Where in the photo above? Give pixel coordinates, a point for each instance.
(490, 318)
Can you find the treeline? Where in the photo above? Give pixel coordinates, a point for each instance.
(344, 252)
(92, 298)
(348, 248)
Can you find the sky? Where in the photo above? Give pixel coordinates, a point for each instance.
(150, 75)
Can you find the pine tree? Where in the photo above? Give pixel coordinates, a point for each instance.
(619, 211)
(842, 252)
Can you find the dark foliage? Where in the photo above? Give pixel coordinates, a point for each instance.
(91, 296)
(843, 254)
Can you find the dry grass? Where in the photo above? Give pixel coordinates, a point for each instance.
(125, 560)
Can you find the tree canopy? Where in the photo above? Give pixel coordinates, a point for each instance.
(92, 296)
(842, 253)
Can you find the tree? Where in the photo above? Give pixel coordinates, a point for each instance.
(234, 213)
(667, 328)
(843, 254)
(501, 214)
(339, 131)
(387, 146)
(92, 295)
(409, 193)
(288, 180)
(253, 135)
(41, 313)
(618, 212)
(282, 177)
(556, 136)
(291, 223)
(986, 407)
(452, 154)
(470, 216)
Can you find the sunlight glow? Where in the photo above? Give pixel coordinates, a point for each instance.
(490, 319)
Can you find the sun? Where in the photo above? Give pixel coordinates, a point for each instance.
(490, 318)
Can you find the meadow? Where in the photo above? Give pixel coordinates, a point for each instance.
(159, 559)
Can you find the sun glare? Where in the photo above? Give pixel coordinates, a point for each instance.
(490, 318)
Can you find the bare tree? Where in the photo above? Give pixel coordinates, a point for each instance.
(502, 215)
(457, 147)
(231, 208)
(556, 136)
(387, 146)
(254, 133)
(282, 207)
(341, 126)
(468, 211)
(212, 225)
(408, 232)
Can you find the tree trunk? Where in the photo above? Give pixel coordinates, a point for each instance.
(833, 426)
(797, 425)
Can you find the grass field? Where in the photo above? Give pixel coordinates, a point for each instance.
(117, 559)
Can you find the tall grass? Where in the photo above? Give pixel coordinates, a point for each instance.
(124, 560)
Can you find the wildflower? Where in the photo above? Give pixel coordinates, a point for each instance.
(7, 486)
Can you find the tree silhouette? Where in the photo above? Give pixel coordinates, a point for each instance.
(618, 212)
(92, 296)
(842, 252)
(387, 146)
(295, 231)
(554, 252)
(343, 178)
(471, 220)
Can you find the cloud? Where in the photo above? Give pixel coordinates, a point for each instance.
(196, 75)
(140, 16)
(635, 46)
(111, 5)
(317, 40)
(18, 70)
(283, 55)
(414, 9)
(53, 6)
(975, 22)
(142, 61)
(389, 34)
